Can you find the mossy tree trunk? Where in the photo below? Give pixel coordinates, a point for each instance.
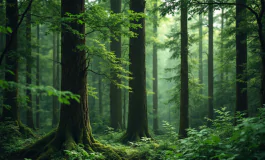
(184, 96)
(115, 92)
(241, 59)
(29, 72)
(137, 118)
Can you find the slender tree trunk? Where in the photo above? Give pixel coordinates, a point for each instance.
(210, 64)
(55, 112)
(115, 92)
(100, 94)
(2, 45)
(200, 53)
(155, 81)
(184, 96)
(58, 71)
(38, 78)
(28, 68)
(11, 59)
(241, 59)
(124, 108)
(137, 118)
(222, 45)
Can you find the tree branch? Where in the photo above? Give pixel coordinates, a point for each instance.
(15, 32)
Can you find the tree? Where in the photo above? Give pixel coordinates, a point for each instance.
(210, 63)
(11, 61)
(55, 108)
(241, 58)
(137, 117)
(115, 92)
(30, 122)
(184, 95)
(38, 77)
(200, 52)
(74, 125)
(155, 81)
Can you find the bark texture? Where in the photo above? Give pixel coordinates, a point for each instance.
(184, 96)
(137, 117)
(38, 78)
(241, 59)
(115, 92)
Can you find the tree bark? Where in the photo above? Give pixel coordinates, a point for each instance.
(137, 117)
(38, 78)
(155, 81)
(11, 60)
(115, 92)
(210, 63)
(29, 72)
(184, 96)
(241, 59)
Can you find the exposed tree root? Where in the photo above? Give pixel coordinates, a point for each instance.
(52, 143)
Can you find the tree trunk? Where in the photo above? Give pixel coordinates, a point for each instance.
(222, 46)
(184, 96)
(241, 59)
(38, 78)
(11, 60)
(115, 92)
(100, 94)
(155, 81)
(200, 53)
(124, 108)
(2, 45)
(210, 64)
(137, 117)
(29, 73)
(55, 111)
(58, 71)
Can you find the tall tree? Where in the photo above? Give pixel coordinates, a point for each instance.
(11, 61)
(29, 72)
(38, 77)
(222, 44)
(137, 117)
(55, 109)
(241, 58)
(115, 92)
(155, 81)
(210, 63)
(200, 52)
(184, 95)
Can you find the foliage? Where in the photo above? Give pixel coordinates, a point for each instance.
(80, 154)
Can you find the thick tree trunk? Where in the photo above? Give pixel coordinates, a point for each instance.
(210, 64)
(184, 96)
(155, 81)
(55, 109)
(38, 78)
(137, 117)
(29, 73)
(11, 60)
(200, 53)
(241, 59)
(115, 92)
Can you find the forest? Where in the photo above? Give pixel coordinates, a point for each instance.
(132, 80)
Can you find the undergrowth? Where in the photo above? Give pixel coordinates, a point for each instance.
(222, 141)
